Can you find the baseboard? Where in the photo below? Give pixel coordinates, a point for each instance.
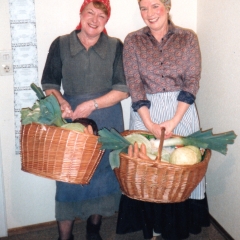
(31, 228)
(220, 229)
(42, 226)
(35, 227)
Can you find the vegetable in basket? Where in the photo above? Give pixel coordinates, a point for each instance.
(46, 110)
(89, 123)
(85, 125)
(50, 112)
(205, 139)
(199, 139)
(187, 155)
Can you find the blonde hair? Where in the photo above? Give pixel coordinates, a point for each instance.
(167, 3)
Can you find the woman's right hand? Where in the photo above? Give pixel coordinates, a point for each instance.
(64, 105)
(66, 109)
(156, 130)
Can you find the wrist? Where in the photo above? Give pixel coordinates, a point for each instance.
(149, 125)
(95, 104)
(175, 121)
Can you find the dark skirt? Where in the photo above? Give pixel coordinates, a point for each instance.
(173, 220)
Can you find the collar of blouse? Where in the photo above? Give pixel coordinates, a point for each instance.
(101, 47)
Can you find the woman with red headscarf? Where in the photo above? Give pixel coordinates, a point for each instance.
(88, 65)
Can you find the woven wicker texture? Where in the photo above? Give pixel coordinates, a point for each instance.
(156, 181)
(59, 153)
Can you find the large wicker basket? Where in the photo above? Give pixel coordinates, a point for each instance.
(156, 181)
(59, 153)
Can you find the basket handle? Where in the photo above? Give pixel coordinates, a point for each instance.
(161, 145)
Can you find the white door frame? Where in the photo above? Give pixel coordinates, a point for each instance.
(3, 219)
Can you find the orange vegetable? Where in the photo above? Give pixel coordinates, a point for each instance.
(135, 150)
(130, 151)
(85, 130)
(90, 129)
(143, 149)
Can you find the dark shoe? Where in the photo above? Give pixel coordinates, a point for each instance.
(93, 236)
(72, 238)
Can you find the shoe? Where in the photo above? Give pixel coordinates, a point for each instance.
(94, 236)
(72, 238)
(93, 230)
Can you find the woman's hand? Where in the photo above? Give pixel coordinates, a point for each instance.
(156, 130)
(152, 127)
(83, 110)
(66, 109)
(64, 105)
(169, 127)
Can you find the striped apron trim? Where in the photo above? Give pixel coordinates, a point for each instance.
(163, 108)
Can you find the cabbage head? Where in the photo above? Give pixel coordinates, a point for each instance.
(187, 155)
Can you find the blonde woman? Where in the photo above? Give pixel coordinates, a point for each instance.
(162, 64)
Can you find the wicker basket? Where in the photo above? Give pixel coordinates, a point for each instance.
(59, 153)
(156, 181)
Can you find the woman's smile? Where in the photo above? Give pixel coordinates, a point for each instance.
(153, 20)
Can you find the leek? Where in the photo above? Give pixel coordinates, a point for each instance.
(202, 139)
(46, 110)
(112, 140)
(206, 140)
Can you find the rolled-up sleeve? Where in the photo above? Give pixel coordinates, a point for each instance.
(52, 73)
(119, 79)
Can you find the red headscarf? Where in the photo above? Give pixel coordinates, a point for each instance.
(86, 2)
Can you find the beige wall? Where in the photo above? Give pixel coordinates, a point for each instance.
(219, 104)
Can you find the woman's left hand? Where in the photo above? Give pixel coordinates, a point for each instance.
(169, 127)
(83, 110)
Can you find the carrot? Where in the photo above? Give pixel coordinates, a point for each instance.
(135, 150)
(143, 152)
(90, 129)
(143, 149)
(130, 151)
(85, 130)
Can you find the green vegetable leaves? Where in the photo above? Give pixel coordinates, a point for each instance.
(217, 142)
(206, 139)
(38, 91)
(112, 139)
(29, 115)
(202, 139)
(46, 110)
(50, 112)
(114, 158)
